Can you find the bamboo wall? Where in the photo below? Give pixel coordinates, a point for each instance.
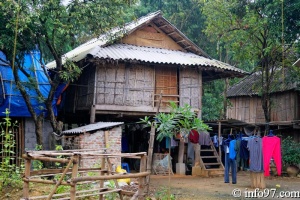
(131, 85)
(284, 108)
(190, 81)
(135, 85)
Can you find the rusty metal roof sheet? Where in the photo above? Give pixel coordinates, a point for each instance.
(92, 127)
(125, 52)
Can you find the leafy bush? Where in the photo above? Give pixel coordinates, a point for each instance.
(9, 172)
(164, 194)
(290, 151)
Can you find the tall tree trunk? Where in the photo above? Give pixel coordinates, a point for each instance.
(225, 99)
(39, 129)
(49, 101)
(266, 97)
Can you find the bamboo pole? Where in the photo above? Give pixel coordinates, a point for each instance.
(53, 182)
(47, 159)
(60, 180)
(50, 172)
(26, 175)
(74, 175)
(107, 177)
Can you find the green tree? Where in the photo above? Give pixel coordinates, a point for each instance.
(257, 35)
(53, 28)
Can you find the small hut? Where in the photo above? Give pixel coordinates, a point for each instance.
(98, 136)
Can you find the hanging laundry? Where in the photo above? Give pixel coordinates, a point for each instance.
(256, 154)
(271, 149)
(204, 138)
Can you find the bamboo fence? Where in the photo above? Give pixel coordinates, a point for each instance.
(71, 159)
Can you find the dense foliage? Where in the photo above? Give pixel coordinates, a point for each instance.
(259, 35)
(290, 151)
(180, 120)
(53, 27)
(10, 175)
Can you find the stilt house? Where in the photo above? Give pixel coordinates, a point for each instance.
(126, 70)
(245, 105)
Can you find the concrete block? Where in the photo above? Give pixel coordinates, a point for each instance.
(197, 171)
(180, 168)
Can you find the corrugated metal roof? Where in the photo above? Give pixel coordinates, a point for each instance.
(81, 51)
(91, 127)
(251, 85)
(125, 52)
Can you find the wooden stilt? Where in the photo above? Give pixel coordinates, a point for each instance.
(257, 180)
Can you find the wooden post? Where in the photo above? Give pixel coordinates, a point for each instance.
(200, 95)
(219, 136)
(142, 179)
(27, 176)
(106, 139)
(93, 114)
(181, 150)
(101, 197)
(151, 144)
(257, 180)
(74, 175)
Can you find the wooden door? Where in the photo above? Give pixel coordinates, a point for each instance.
(166, 82)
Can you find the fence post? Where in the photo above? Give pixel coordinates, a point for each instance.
(74, 175)
(26, 176)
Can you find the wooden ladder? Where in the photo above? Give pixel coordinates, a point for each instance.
(210, 161)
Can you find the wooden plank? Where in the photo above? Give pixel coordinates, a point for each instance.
(129, 108)
(149, 36)
(166, 81)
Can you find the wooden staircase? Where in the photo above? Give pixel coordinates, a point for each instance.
(210, 162)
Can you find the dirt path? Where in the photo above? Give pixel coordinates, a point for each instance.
(195, 187)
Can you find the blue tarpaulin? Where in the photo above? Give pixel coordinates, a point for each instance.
(10, 96)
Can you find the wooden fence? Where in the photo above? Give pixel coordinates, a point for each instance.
(78, 176)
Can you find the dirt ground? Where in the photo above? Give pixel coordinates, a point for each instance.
(195, 187)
